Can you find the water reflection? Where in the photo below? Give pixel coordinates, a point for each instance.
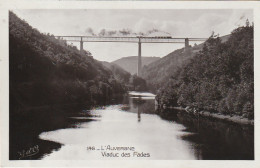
(166, 134)
(123, 125)
(215, 139)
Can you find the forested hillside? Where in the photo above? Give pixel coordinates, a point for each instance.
(130, 82)
(46, 71)
(160, 71)
(130, 63)
(220, 78)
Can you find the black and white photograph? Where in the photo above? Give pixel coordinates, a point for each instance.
(130, 84)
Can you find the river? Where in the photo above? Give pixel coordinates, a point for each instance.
(135, 124)
(126, 128)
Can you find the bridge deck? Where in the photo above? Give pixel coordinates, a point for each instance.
(128, 39)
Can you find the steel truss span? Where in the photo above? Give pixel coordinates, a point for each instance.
(128, 39)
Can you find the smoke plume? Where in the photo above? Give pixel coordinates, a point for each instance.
(123, 32)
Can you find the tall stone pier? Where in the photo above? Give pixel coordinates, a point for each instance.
(139, 67)
(187, 45)
(81, 45)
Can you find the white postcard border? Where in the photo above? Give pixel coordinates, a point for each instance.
(4, 79)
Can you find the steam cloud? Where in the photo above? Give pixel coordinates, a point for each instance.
(122, 32)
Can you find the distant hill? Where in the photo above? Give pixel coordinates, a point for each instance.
(131, 82)
(161, 70)
(130, 63)
(119, 73)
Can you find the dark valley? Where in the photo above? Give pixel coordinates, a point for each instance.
(197, 102)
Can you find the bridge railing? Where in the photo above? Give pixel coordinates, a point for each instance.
(110, 39)
(162, 40)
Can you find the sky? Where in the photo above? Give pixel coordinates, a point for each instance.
(197, 23)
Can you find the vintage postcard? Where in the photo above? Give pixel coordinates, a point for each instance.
(129, 84)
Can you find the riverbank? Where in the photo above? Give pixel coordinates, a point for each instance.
(234, 118)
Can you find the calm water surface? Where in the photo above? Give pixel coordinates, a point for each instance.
(135, 123)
